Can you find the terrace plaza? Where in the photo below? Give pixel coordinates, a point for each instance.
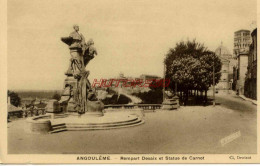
(190, 129)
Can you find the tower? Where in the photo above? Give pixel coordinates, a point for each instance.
(242, 41)
(225, 57)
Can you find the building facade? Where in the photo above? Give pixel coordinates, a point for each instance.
(251, 77)
(242, 41)
(242, 71)
(235, 78)
(127, 85)
(225, 57)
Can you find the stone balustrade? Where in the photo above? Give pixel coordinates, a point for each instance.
(134, 106)
(34, 112)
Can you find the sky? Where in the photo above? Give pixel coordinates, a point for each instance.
(131, 36)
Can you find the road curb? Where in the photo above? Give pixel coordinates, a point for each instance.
(247, 99)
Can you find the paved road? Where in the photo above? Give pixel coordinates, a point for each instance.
(236, 103)
(135, 100)
(192, 129)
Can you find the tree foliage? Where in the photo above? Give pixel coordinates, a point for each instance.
(115, 99)
(56, 96)
(153, 96)
(190, 64)
(14, 98)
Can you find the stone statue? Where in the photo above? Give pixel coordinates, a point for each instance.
(77, 86)
(76, 43)
(80, 51)
(89, 52)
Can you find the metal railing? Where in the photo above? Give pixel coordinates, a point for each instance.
(27, 113)
(34, 112)
(133, 106)
(42, 111)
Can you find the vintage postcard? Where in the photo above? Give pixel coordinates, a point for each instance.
(129, 81)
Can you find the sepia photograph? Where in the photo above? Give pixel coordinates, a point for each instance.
(131, 81)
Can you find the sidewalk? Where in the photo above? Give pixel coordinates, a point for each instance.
(248, 99)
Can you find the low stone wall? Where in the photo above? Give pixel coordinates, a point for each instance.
(39, 124)
(134, 106)
(137, 111)
(94, 108)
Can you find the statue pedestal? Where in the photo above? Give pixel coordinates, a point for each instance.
(68, 99)
(171, 104)
(94, 108)
(68, 102)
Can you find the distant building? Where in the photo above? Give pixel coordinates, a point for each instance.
(235, 77)
(225, 57)
(27, 101)
(242, 41)
(130, 89)
(241, 71)
(13, 111)
(149, 77)
(251, 77)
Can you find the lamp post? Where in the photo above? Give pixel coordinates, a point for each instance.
(164, 70)
(228, 79)
(214, 82)
(175, 88)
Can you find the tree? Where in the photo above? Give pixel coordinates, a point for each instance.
(56, 96)
(190, 64)
(14, 98)
(153, 96)
(207, 61)
(115, 99)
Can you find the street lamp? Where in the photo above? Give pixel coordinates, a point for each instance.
(164, 70)
(214, 82)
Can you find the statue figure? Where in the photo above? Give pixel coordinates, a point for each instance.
(76, 43)
(77, 90)
(80, 51)
(89, 52)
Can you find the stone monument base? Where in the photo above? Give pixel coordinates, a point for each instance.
(111, 120)
(94, 108)
(171, 104)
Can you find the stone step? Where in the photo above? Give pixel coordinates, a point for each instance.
(104, 128)
(100, 127)
(59, 127)
(60, 116)
(101, 124)
(95, 124)
(60, 124)
(58, 130)
(57, 124)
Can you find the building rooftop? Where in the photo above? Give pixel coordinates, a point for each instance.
(222, 51)
(149, 76)
(254, 32)
(241, 30)
(12, 108)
